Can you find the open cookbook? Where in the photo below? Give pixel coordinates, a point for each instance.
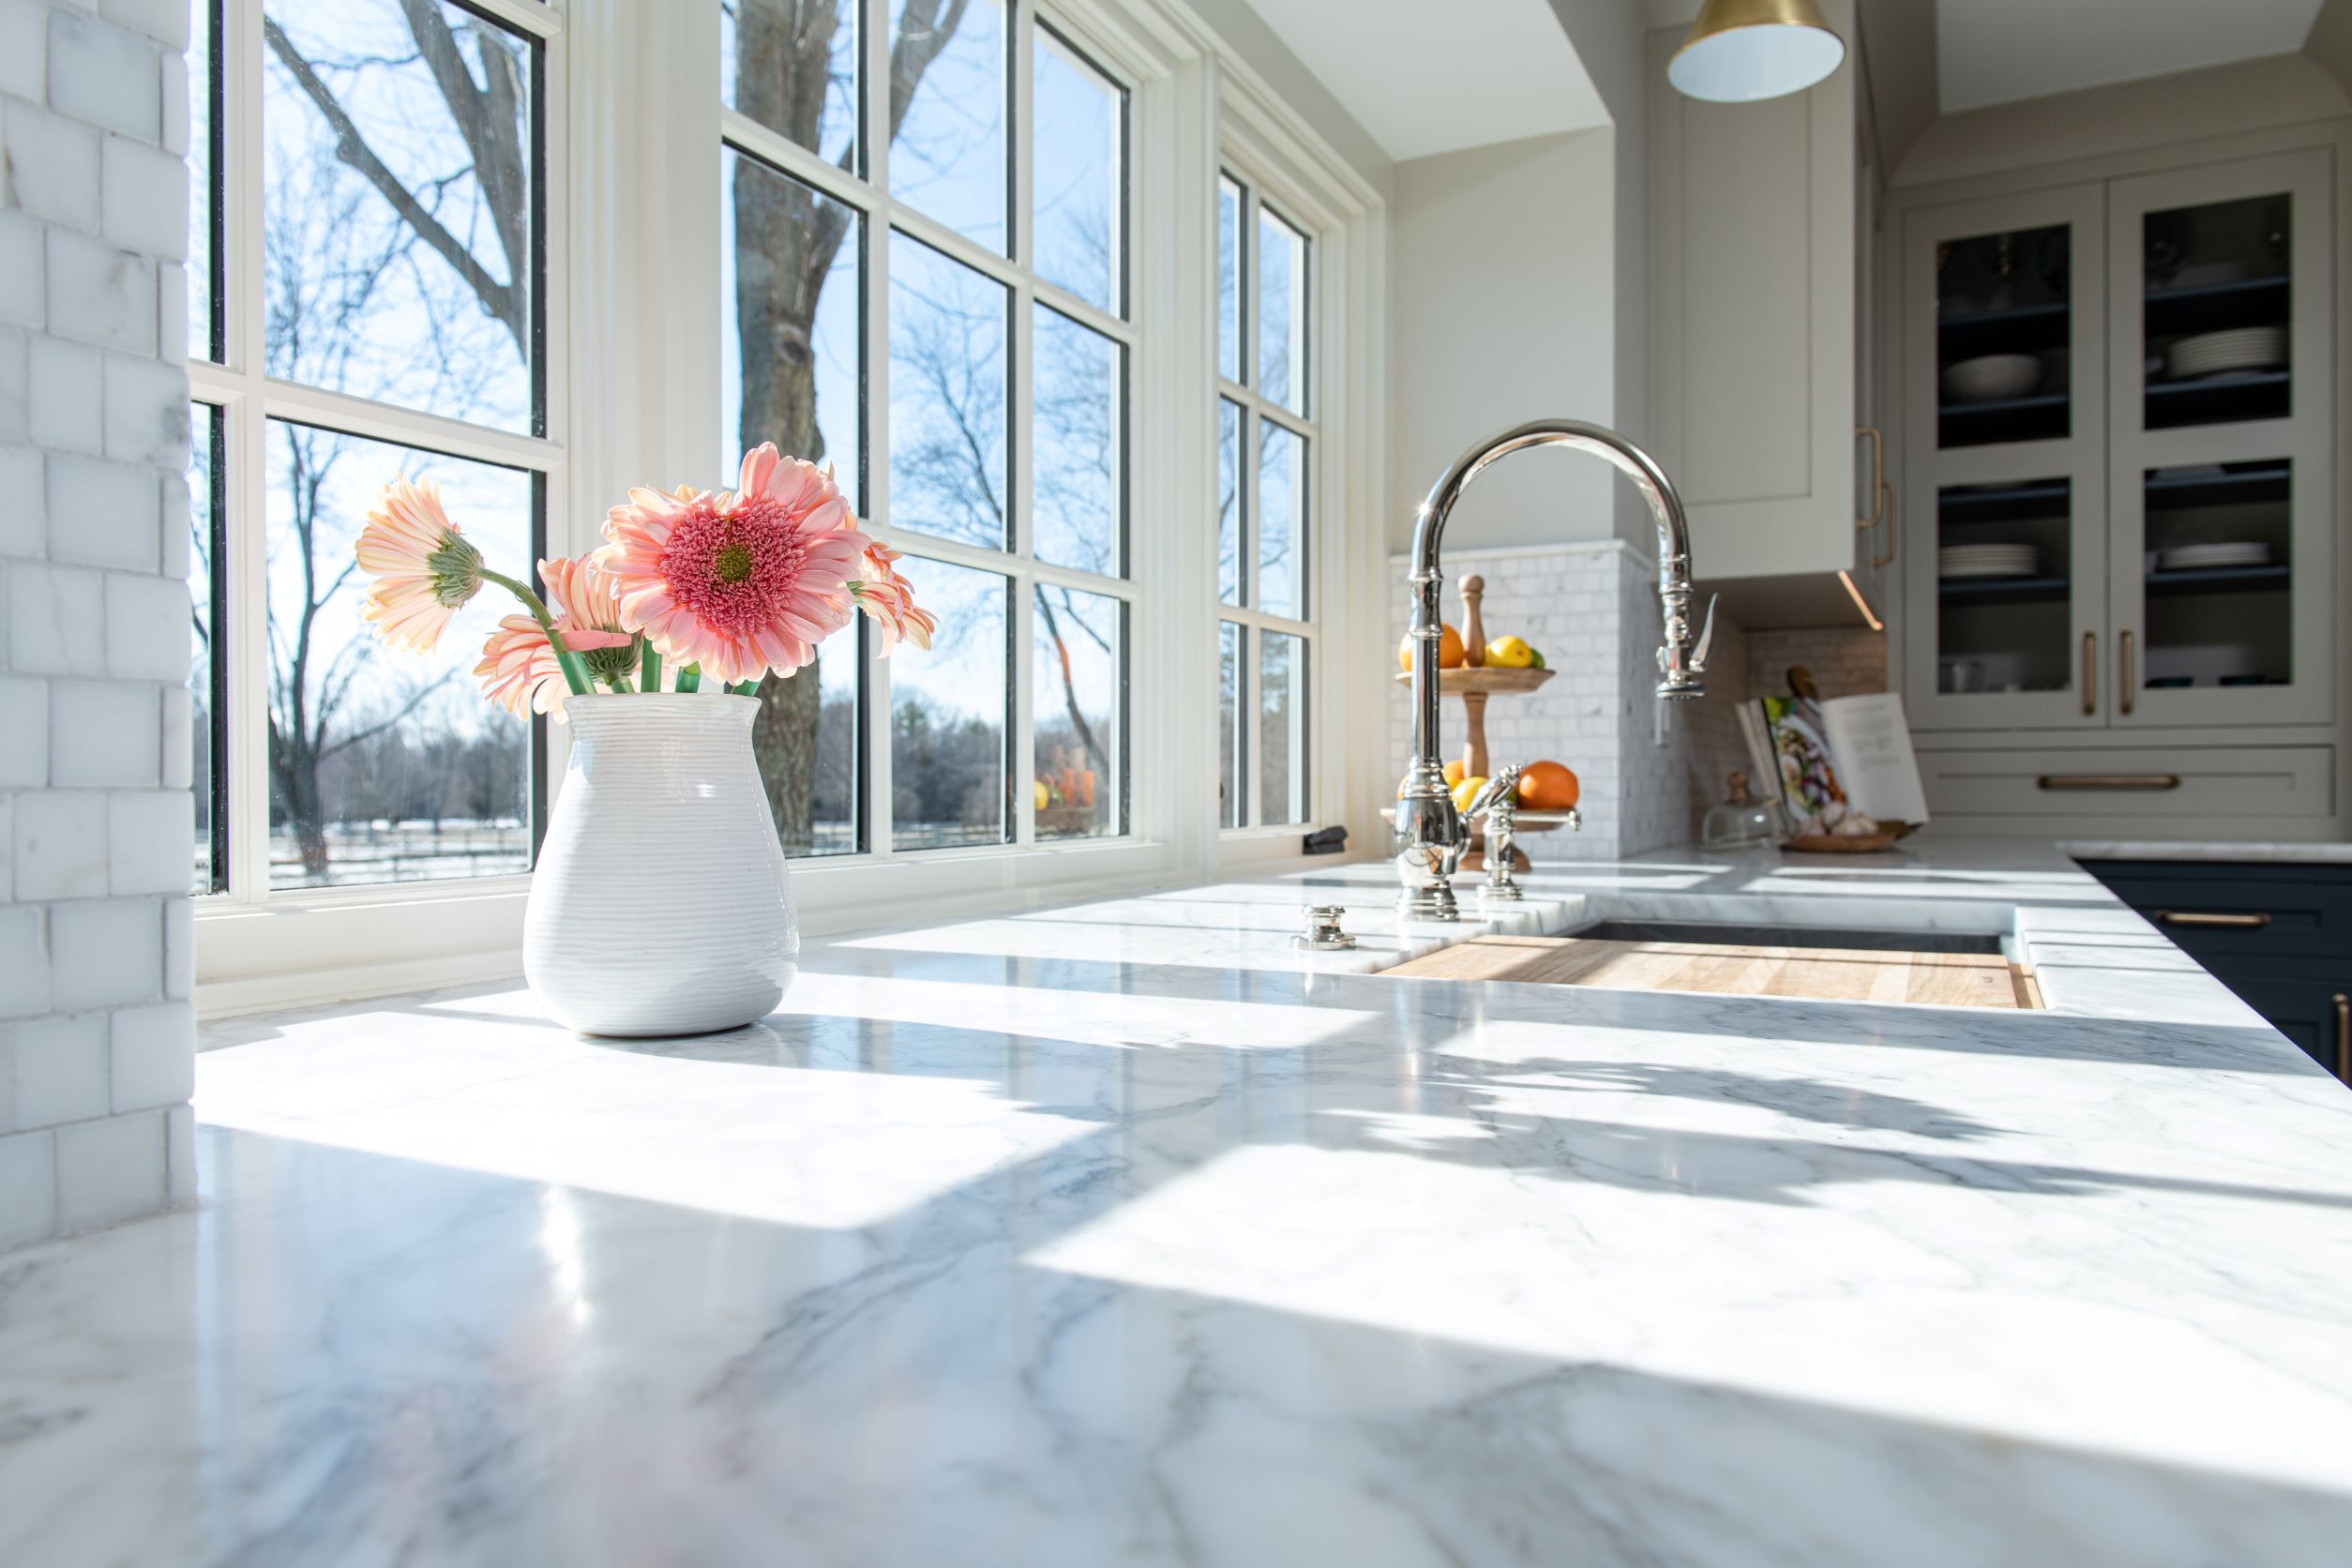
(1834, 760)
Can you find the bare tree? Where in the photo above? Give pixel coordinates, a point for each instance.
(786, 239)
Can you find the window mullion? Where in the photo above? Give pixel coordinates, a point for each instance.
(876, 350)
(245, 453)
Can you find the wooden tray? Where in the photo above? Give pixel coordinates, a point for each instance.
(1829, 843)
(1484, 678)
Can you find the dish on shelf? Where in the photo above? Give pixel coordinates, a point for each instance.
(1990, 377)
(2211, 353)
(2204, 274)
(2185, 558)
(1974, 561)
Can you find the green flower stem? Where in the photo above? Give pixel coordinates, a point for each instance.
(574, 670)
(689, 677)
(649, 670)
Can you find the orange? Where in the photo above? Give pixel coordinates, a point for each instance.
(1548, 787)
(1455, 772)
(1450, 654)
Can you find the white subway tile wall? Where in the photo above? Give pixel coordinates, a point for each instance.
(1649, 770)
(97, 1034)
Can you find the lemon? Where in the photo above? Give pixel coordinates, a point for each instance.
(1467, 791)
(1511, 653)
(1041, 795)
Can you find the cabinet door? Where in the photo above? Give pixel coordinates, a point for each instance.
(2222, 326)
(2004, 548)
(1751, 308)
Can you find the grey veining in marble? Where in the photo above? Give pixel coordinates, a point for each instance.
(1088, 1238)
(2251, 855)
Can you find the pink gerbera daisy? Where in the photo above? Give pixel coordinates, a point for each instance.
(518, 669)
(889, 598)
(423, 568)
(738, 583)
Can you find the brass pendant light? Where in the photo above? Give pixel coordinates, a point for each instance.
(1741, 50)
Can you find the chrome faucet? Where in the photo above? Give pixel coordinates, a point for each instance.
(1430, 836)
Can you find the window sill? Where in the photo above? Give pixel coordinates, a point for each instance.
(339, 944)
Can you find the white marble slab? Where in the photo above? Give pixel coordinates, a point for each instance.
(1116, 1236)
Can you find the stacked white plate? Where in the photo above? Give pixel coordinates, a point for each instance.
(1966, 561)
(2213, 354)
(2185, 558)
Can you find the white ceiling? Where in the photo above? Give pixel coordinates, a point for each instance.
(1497, 70)
(1997, 51)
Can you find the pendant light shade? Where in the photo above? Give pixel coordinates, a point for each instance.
(1739, 51)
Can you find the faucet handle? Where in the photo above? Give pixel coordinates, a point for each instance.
(1706, 637)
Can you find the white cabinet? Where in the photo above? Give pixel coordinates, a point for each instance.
(1755, 281)
(2119, 402)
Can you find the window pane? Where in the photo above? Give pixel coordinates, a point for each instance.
(385, 766)
(1076, 441)
(791, 64)
(204, 667)
(789, 320)
(1079, 182)
(1281, 727)
(806, 743)
(1078, 710)
(1228, 502)
(399, 203)
(1228, 280)
(1281, 520)
(948, 719)
(948, 65)
(946, 397)
(1281, 313)
(1230, 786)
(203, 205)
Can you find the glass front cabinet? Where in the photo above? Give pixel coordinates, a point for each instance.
(2118, 400)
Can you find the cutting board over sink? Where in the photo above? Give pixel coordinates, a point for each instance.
(1716, 969)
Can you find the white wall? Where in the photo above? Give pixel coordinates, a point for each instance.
(1502, 308)
(98, 1055)
(1246, 34)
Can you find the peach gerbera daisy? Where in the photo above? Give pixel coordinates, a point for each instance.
(519, 668)
(738, 583)
(889, 598)
(423, 568)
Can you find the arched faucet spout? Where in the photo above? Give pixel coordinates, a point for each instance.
(1430, 836)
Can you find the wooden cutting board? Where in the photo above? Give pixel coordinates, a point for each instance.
(1820, 974)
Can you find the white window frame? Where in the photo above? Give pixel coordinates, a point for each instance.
(251, 937)
(1248, 394)
(634, 126)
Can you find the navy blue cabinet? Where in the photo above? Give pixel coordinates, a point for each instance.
(2278, 935)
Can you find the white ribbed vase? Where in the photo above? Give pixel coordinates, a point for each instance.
(660, 904)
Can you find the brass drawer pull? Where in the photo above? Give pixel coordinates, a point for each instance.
(2344, 1038)
(1878, 477)
(2204, 917)
(2090, 673)
(2108, 781)
(2123, 677)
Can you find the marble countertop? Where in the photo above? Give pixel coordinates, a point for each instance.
(2275, 855)
(1121, 1234)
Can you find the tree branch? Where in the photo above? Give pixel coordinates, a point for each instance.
(502, 301)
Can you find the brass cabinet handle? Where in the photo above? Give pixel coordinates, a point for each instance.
(2090, 673)
(1886, 505)
(2344, 1038)
(2108, 781)
(2123, 676)
(1878, 477)
(2209, 917)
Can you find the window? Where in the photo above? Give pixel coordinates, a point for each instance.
(924, 280)
(367, 296)
(1265, 440)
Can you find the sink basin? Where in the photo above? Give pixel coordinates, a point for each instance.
(1934, 969)
(1727, 934)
